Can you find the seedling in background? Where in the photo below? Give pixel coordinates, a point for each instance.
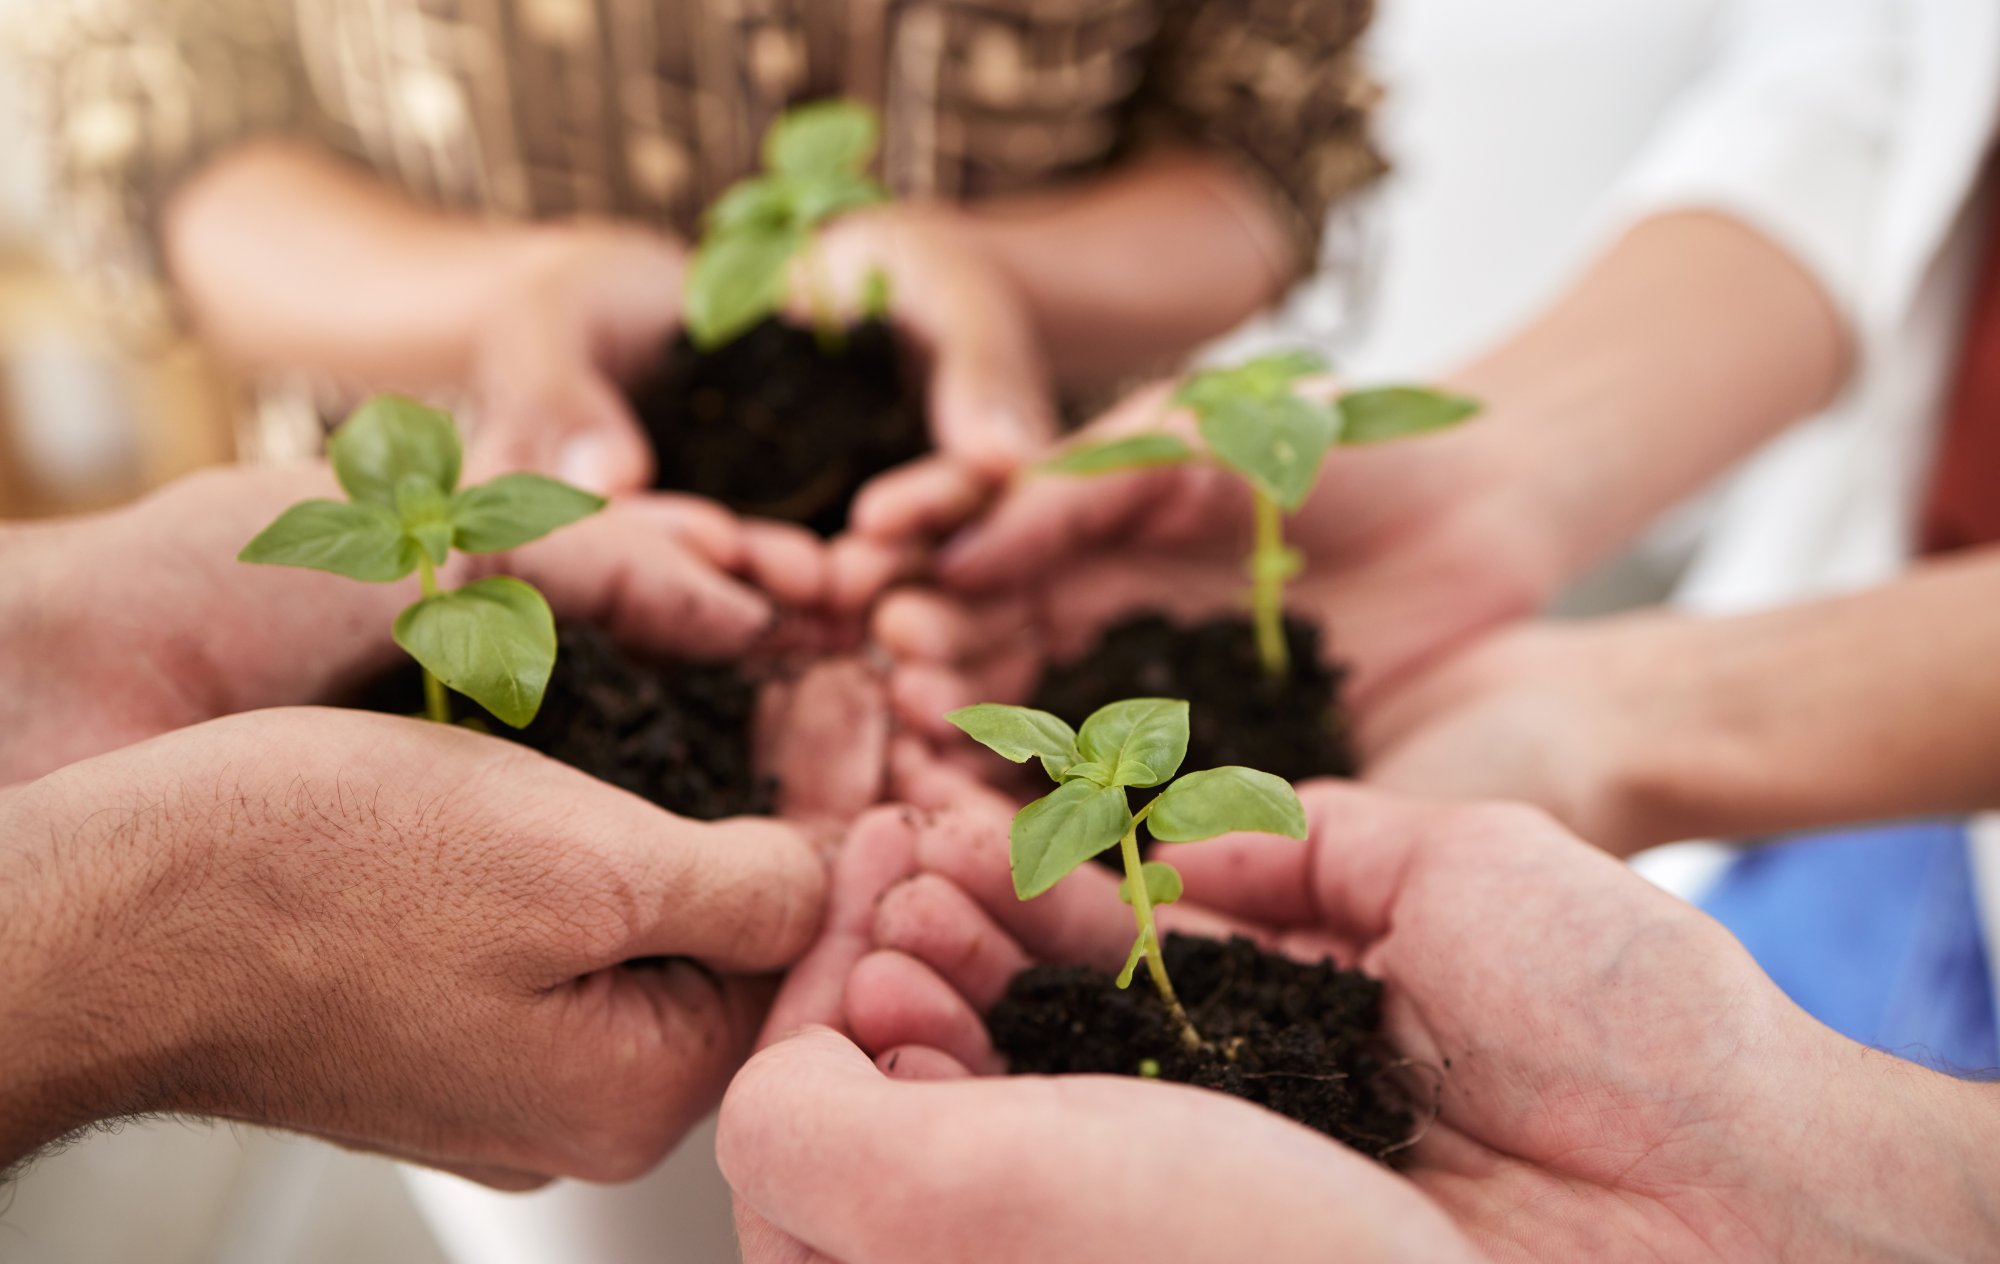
(1254, 422)
(1134, 744)
(494, 640)
(816, 160)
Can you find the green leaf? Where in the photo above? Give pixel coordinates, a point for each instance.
(425, 513)
(1279, 443)
(1142, 740)
(876, 295)
(390, 438)
(1062, 829)
(1222, 801)
(1088, 770)
(822, 199)
(1017, 733)
(493, 641)
(736, 280)
(1266, 377)
(514, 509)
(363, 542)
(1396, 412)
(821, 139)
(1133, 452)
(1163, 883)
(1134, 957)
(760, 202)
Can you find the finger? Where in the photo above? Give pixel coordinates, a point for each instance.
(643, 589)
(920, 500)
(931, 920)
(507, 1180)
(919, 777)
(830, 748)
(991, 406)
(1256, 877)
(701, 524)
(605, 451)
(787, 561)
(922, 696)
(861, 569)
(918, 1062)
(758, 1241)
(893, 999)
(880, 850)
(928, 626)
(743, 896)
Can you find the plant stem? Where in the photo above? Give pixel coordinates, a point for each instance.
(827, 329)
(437, 704)
(1142, 913)
(1267, 594)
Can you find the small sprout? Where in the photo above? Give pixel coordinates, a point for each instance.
(1254, 422)
(493, 640)
(1149, 1068)
(1135, 744)
(816, 160)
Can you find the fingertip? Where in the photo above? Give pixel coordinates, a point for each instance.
(788, 561)
(893, 999)
(920, 1063)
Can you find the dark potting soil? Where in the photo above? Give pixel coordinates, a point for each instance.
(678, 734)
(1306, 1038)
(774, 424)
(1293, 728)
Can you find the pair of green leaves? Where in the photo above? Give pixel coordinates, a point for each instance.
(1138, 743)
(399, 462)
(1254, 422)
(816, 160)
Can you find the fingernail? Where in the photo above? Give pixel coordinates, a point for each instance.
(586, 463)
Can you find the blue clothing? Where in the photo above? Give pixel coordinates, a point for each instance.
(1876, 933)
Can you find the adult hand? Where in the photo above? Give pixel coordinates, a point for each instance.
(832, 1159)
(1619, 1080)
(155, 625)
(1410, 548)
(399, 936)
(591, 307)
(991, 403)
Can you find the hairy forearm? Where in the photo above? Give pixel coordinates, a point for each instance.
(1141, 266)
(1687, 345)
(289, 259)
(1877, 705)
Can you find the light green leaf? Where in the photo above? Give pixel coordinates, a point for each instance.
(1266, 377)
(513, 509)
(1163, 883)
(1133, 452)
(736, 280)
(1396, 412)
(1143, 942)
(1279, 443)
(1222, 801)
(1019, 734)
(390, 438)
(1088, 770)
(425, 513)
(1142, 740)
(493, 641)
(1062, 829)
(877, 295)
(759, 203)
(822, 199)
(363, 542)
(823, 138)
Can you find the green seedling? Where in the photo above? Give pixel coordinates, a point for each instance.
(1254, 422)
(816, 160)
(494, 640)
(1133, 744)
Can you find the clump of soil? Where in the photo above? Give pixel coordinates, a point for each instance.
(1307, 1039)
(774, 424)
(1293, 728)
(678, 734)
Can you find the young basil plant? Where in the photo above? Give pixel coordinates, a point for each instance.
(816, 160)
(1133, 744)
(1254, 422)
(494, 640)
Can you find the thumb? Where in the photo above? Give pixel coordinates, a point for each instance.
(580, 431)
(991, 404)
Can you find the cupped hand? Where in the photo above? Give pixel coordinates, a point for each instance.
(133, 623)
(592, 307)
(832, 1159)
(400, 936)
(1619, 1080)
(990, 400)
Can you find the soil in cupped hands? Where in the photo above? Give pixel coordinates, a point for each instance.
(679, 734)
(1302, 1039)
(777, 425)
